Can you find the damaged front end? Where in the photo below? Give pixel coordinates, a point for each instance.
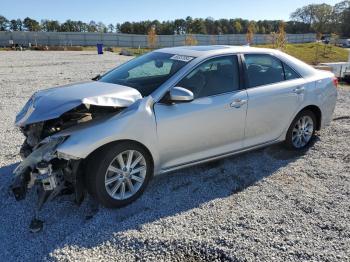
(41, 163)
(36, 132)
(50, 174)
(44, 120)
(44, 167)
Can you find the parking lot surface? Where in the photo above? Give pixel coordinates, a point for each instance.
(270, 204)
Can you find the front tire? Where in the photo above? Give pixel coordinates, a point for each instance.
(301, 131)
(118, 174)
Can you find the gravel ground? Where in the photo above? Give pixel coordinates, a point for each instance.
(269, 204)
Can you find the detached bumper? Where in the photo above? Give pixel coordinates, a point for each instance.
(41, 167)
(50, 175)
(20, 184)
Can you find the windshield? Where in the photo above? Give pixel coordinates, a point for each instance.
(146, 73)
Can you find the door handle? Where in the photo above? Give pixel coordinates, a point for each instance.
(299, 90)
(237, 103)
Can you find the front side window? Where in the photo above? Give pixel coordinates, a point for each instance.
(215, 76)
(146, 73)
(263, 69)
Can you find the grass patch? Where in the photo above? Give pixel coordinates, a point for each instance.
(315, 53)
(310, 53)
(5, 49)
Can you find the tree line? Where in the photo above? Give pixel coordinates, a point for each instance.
(314, 18)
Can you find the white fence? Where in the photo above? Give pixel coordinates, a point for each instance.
(128, 40)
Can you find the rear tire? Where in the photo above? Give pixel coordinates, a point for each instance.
(301, 131)
(118, 174)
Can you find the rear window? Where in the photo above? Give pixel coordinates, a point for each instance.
(289, 72)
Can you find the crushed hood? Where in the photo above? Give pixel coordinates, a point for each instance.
(52, 103)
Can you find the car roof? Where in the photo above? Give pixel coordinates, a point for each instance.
(199, 51)
(213, 50)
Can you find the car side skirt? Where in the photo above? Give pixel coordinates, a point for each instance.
(205, 160)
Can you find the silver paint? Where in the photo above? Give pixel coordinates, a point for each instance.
(183, 134)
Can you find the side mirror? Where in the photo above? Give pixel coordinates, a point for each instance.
(180, 94)
(96, 78)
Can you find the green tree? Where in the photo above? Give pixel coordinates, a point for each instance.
(3, 23)
(117, 28)
(101, 27)
(68, 26)
(238, 27)
(198, 26)
(157, 25)
(180, 26)
(16, 25)
(126, 28)
(111, 28)
(92, 26)
(226, 26)
(317, 16)
(167, 28)
(209, 24)
(82, 27)
(189, 22)
(50, 25)
(31, 24)
(342, 17)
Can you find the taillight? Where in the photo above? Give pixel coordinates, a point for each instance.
(335, 82)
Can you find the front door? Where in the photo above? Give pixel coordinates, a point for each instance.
(212, 124)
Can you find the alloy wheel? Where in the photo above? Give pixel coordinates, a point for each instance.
(125, 174)
(302, 131)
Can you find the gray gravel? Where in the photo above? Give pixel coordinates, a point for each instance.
(270, 204)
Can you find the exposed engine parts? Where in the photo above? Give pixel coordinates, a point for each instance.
(36, 132)
(49, 120)
(50, 180)
(49, 173)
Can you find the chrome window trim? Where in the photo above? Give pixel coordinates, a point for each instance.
(190, 68)
(274, 56)
(286, 81)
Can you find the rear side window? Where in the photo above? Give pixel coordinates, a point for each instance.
(289, 72)
(263, 69)
(215, 76)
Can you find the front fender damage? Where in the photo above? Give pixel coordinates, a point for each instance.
(46, 122)
(50, 175)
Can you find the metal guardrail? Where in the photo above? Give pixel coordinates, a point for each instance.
(129, 40)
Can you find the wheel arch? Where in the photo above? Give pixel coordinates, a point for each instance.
(113, 143)
(318, 114)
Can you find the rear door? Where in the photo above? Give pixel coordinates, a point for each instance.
(275, 92)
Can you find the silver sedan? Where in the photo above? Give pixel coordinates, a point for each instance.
(166, 110)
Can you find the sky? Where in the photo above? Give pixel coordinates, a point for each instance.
(118, 11)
